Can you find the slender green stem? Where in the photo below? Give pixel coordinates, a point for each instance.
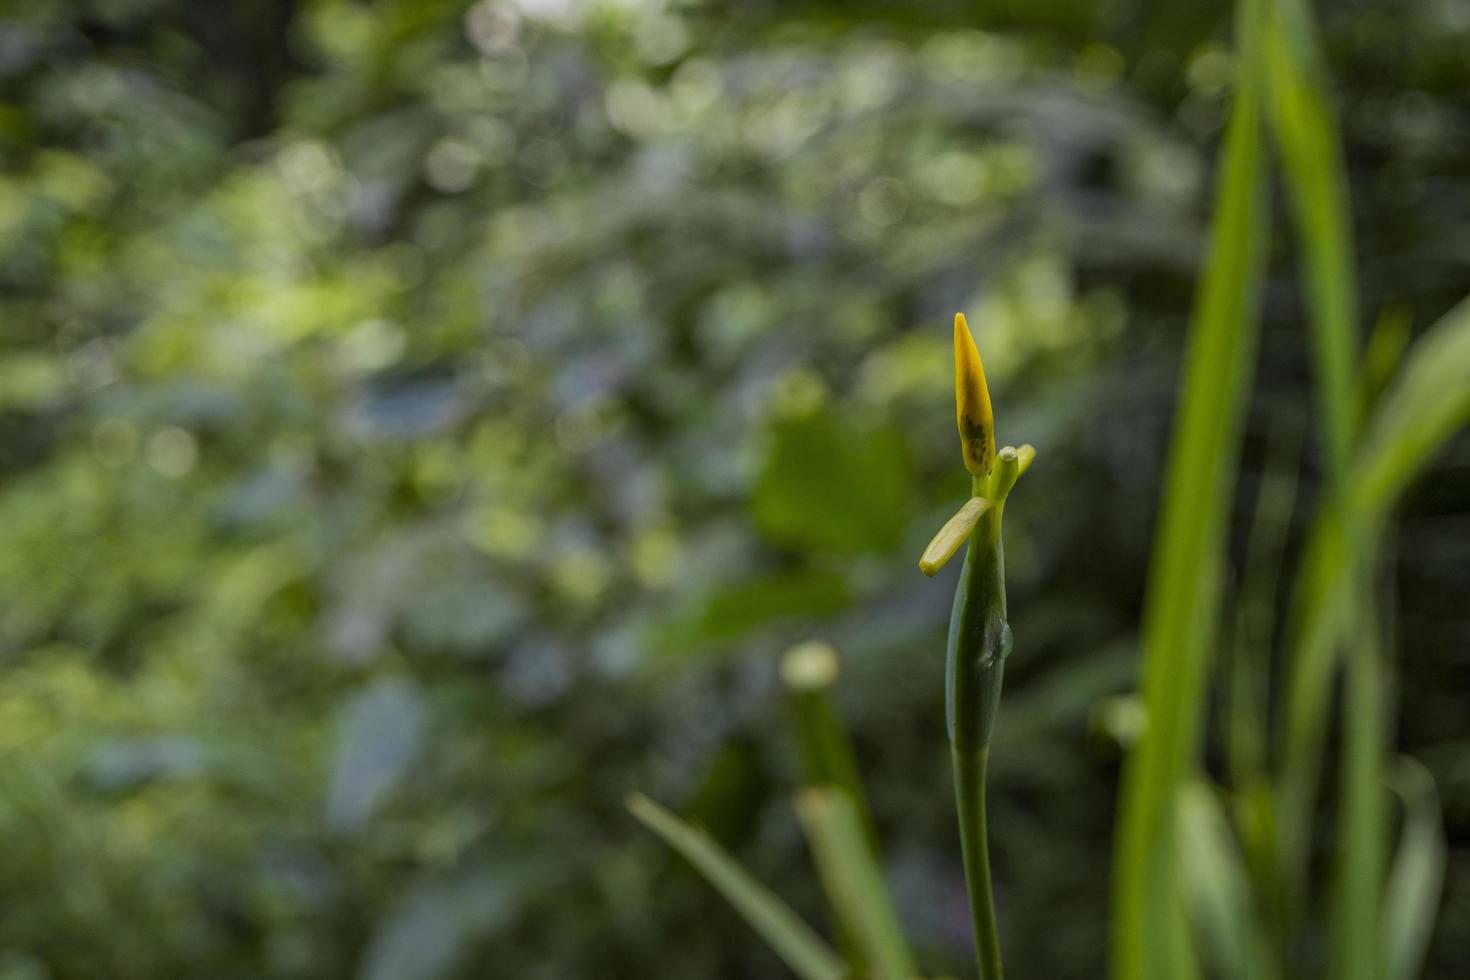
(827, 757)
(979, 640)
(969, 778)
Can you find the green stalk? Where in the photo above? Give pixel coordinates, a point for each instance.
(853, 883)
(969, 777)
(827, 758)
(979, 641)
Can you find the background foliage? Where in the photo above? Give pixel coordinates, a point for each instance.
(421, 424)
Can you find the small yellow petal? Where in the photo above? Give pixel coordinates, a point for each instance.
(956, 531)
(972, 402)
(1027, 453)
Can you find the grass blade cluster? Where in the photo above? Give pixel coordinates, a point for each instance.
(1376, 434)
(1150, 940)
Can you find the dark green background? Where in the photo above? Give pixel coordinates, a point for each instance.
(421, 425)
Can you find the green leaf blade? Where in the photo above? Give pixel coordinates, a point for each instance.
(1218, 888)
(1417, 877)
(1306, 134)
(853, 882)
(783, 930)
(1426, 404)
(1150, 933)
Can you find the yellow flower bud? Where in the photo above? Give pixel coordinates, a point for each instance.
(972, 402)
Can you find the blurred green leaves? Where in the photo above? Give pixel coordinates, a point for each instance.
(380, 732)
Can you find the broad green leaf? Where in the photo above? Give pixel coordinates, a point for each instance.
(828, 485)
(753, 602)
(1150, 934)
(853, 882)
(1417, 878)
(783, 930)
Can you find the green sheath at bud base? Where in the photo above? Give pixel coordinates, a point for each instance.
(979, 637)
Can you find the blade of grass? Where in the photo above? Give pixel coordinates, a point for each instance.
(1319, 614)
(1150, 937)
(783, 930)
(1417, 878)
(1354, 952)
(1425, 404)
(1219, 889)
(1428, 402)
(1384, 352)
(1246, 713)
(1255, 614)
(1316, 182)
(1306, 133)
(852, 881)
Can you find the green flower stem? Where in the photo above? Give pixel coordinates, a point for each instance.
(827, 760)
(979, 641)
(827, 757)
(969, 777)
